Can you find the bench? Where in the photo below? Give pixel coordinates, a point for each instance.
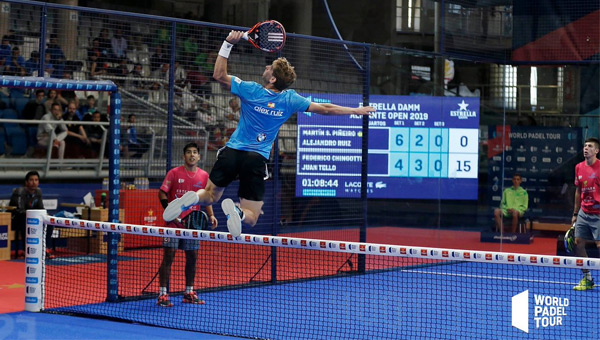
(550, 226)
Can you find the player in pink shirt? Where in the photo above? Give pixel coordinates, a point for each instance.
(178, 181)
(586, 214)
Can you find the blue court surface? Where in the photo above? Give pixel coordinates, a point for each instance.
(450, 301)
(44, 326)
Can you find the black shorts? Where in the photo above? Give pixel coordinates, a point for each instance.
(250, 167)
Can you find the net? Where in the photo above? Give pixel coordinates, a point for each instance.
(295, 287)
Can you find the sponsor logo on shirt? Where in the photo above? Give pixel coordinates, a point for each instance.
(265, 111)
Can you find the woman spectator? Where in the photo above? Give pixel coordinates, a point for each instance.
(96, 67)
(51, 98)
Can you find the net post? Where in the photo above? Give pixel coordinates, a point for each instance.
(42, 46)
(114, 185)
(276, 206)
(364, 178)
(35, 248)
(171, 95)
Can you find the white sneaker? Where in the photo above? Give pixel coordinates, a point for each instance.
(179, 205)
(234, 217)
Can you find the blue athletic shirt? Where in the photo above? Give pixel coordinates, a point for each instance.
(262, 114)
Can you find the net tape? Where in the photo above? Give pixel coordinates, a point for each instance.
(335, 246)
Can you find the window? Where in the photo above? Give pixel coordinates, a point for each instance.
(408, 15)
(503, 80)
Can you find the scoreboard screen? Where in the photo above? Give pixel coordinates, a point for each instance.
(419, 148)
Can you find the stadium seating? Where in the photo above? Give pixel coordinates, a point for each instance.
(19, 105)
(15, 136)
(2, 140)
(4, 102)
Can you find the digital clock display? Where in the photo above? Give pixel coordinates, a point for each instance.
(419, 147)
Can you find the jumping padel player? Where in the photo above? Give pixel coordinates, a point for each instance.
(264, 109)
(178, 181)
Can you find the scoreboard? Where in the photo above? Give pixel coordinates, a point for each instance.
(419, 147)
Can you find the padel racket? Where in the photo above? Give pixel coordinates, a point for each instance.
(268, 36)
(570, 240)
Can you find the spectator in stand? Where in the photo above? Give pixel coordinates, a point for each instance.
(33, 63)
(180, 75)
(96, 67)
(87, 116)
(15, 64)
(14, 39)
(44, 134)
(206, 61)
(101, 54)
(190, 48)
(232, 117)
(87, 107)
(137, 87)
(35, 108)
(118, 45)
(162, 36)
(199, 82)
(5, 51)
(120, 70)
(158, 58)
(137, 72)
(48, 68)
(51, 98)
(95, 133)
(66, 96)
(163, 74)
(104, 43)
(76, 140)
(135, 147)
(57, 56)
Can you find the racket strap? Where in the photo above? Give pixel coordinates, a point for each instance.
(225, 49)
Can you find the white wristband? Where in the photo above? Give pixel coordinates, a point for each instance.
(225, 49)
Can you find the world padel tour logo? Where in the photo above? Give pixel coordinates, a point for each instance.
(548, 311)
(463, 112)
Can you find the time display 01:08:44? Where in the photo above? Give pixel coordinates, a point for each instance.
(319, 183)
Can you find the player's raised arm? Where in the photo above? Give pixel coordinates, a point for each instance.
(332, 109)
(220, 70)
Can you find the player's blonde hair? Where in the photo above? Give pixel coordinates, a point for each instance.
(284, 72)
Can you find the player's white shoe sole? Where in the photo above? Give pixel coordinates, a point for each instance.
(234, 221)
(179, 205)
